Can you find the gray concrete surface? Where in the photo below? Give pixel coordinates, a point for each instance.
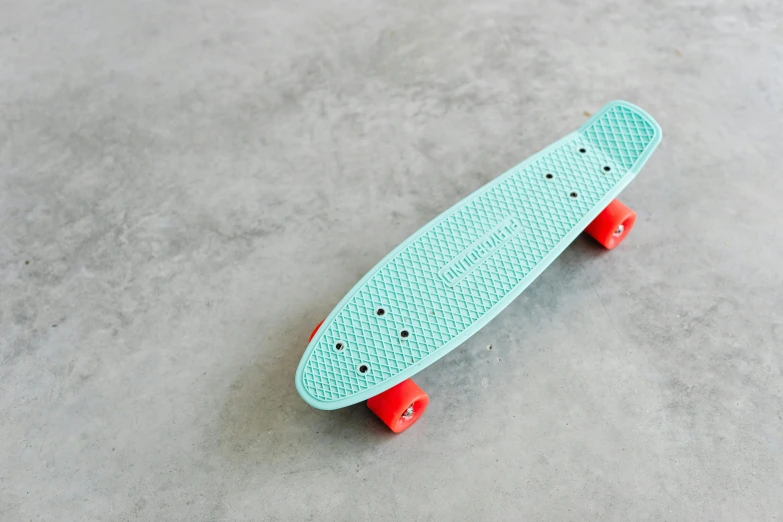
(187, 188)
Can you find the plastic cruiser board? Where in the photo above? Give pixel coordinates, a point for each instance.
(455, 274)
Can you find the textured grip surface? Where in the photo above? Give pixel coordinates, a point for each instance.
(447, 280)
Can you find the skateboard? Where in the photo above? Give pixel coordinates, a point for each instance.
(449, 279)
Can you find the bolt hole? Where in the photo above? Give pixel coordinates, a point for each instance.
(607, 169)
(404, 334)
(574, 194)
(339, 347)
(380, 311)
(583, 150)
(550, 176)
(364, 368)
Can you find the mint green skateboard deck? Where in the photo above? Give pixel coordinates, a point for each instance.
(459, 271)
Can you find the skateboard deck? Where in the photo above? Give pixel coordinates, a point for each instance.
(455, 274)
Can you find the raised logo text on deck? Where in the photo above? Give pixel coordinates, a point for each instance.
(470, 258)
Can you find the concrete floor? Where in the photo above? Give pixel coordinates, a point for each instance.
(187, 188)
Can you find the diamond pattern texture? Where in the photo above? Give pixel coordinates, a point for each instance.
(434, 311)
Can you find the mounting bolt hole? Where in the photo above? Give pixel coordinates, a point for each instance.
(404, 334)
(607, 168)
(550, 176)
(574, 195)
(364, 369)
(380, 311)
(583, 150)
(339, 347)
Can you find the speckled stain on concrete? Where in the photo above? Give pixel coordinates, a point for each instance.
(186, 189)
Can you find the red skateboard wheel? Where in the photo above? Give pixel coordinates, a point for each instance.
(314, 331)
(612, 225)
(400, 406)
